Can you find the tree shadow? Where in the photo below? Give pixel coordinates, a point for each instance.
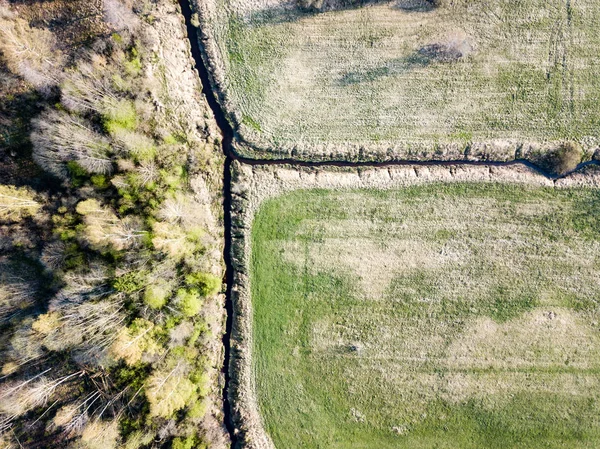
(429, 54)
(296, 10)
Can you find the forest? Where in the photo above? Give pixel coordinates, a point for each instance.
(111, 307)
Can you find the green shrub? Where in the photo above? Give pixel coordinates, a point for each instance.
(119, 115)
(156, 295)
(190, 442)
(198, 409)
(77, 173)
(189, 301)
(170, 139)
(202, 381)
(130, 282)
(133, 64)
(199, 328)
(206, 283)
(100, 181)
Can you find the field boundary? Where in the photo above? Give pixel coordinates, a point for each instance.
(252, 185)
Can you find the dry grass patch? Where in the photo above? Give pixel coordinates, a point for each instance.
(409, 78)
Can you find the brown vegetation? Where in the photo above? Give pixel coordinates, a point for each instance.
(563, 159)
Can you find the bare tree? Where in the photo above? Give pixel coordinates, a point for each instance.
(54, 255)
(103, 229)
(99, 434)
(17, 398)
(90, 86)
(119, 16)
(59, 137)
(19, 287)
(30, 52)
(89, 328)
(17, 202)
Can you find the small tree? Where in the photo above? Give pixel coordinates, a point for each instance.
(135, 341)
(17, 202)
(169, 391)
(189, 302)
(157, 294)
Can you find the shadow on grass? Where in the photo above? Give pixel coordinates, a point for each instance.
(429, 54)
(293, 10)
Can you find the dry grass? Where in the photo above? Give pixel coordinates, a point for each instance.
(406, 76)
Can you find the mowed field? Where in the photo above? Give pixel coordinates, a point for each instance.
(441, 316)
(403, 72)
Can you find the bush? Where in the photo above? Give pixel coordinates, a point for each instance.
(206, 283)
(310, 5)
(189, 301)
(562, 159)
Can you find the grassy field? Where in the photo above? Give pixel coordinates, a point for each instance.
(442, 316)
(391, 71)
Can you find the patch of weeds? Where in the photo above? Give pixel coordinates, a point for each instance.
(247, 120)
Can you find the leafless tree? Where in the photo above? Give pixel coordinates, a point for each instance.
(30, 52)
(89, 86)
(119, 16)
(59, 137)
(105, 230)
(17, 202)
(18, 397)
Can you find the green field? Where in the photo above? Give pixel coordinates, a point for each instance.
(442, 316)
(387, 73)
